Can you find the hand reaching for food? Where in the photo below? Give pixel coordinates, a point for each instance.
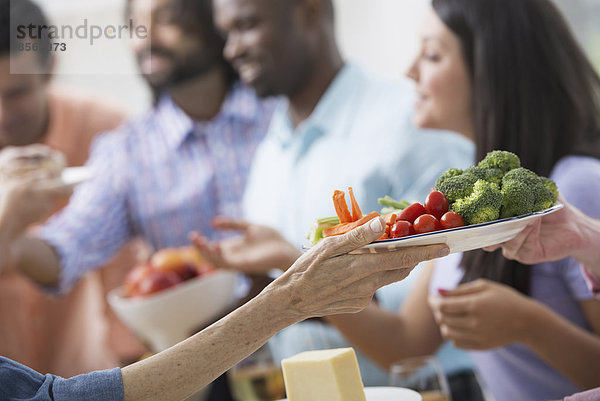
(258, 250)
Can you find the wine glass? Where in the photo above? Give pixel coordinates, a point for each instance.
(423, 374)
(257, 378)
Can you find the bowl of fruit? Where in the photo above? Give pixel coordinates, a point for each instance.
(167, 298)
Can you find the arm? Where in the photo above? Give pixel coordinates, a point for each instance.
(24, 204)
(191, 365)
(590, 395)
(326, 280)
(386, 337)
(37, 260)
(470, 316)
(578, 361)
(93, 226)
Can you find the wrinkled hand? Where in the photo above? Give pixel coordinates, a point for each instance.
(482, 315)
(327, 280)
(257, 251)
(550, 238)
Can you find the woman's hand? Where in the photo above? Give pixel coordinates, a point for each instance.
(257, 251)
(567, 232)
(482, 314)
(327, 280)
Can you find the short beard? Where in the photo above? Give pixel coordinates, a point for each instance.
(184, 71)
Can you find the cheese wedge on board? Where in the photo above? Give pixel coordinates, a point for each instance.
(330, 375)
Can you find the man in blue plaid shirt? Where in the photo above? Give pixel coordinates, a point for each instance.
(168, 172)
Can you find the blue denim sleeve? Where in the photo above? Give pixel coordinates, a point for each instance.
(18, 382)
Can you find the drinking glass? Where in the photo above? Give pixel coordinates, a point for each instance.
(257, 378)
(422, 374)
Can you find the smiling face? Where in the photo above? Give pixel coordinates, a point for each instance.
(443, 86)
(267, 42)
(174, 51)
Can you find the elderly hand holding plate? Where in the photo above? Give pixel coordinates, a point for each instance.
(325, 280)
(328, 280)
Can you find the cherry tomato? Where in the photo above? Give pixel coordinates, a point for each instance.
(412, 212)
(451, 220)
(426, 223)
(436, 204)
(401, 228)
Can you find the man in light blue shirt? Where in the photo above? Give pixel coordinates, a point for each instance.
(295, 172)
(338, 127)
(296, 169)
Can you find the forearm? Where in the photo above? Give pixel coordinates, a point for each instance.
(571, 350)
(384, 336)
(29, 256)
(7, 235)
(37, 260)
(187, 367)
(589, 253)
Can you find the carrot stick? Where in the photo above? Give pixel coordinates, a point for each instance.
(343, 228)
(341, 207)
(390, 219)
(356, 213)
(384, 236)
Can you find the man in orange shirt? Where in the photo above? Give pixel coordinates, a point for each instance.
(77, 333)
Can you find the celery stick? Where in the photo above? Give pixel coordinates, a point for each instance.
(391, 202)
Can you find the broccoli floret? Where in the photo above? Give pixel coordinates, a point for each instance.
(522, 175)
(482, 205)
(489, 174)
(551, 185)
(544, 198)
(518, 199)
(502, 160)
(457, 187)
(546, 195)
(526, 192)
(453, 172)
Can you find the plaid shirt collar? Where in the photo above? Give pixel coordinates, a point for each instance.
(241, 104)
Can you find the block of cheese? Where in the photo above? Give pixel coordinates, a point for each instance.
(330, 375)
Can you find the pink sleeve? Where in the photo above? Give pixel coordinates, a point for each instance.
(592, 280)
(590, 395)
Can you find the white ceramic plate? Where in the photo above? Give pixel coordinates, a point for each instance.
(463, 239)
(390, 394)
(75, 175)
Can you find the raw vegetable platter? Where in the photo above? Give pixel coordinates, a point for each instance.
(464, 238)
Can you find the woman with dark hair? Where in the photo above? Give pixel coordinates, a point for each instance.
(509, 75)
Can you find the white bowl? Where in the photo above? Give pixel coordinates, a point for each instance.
(170, 316)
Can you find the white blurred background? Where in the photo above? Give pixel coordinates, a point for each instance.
(380, 34)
